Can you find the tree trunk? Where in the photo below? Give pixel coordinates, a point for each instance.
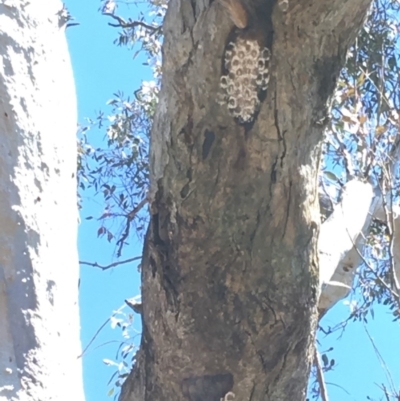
(230, 269)
(39, 330)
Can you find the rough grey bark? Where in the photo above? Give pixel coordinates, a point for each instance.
(39, 329)
(230, 275)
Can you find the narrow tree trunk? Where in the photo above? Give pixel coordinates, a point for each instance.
(230, 275)
(39, 330)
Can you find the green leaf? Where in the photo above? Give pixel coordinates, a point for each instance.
(331, 176)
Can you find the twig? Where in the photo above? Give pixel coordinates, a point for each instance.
(95, 264)
(381, 281)
(384, 389)
(391, 227)
(347, 162)
(130, 216)
(99, 330)
(136, 210)
(320, 376)
(95, 335)
(384, 366)
(131, 24)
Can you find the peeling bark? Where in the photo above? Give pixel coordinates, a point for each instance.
(39, 330)
(343, 257)
(229, 274)
(341, 242)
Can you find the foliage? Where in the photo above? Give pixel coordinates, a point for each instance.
(126, 351)
(119, 167)
(362, 141)
(365, 109)
(119, 170)
(362, 138)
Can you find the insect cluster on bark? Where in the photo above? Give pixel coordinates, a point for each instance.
(245, 66)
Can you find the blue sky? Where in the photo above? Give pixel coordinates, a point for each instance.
(101, 69)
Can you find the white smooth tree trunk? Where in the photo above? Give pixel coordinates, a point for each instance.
(39, 329)
(342, 238)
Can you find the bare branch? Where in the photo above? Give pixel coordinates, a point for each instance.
(320, 376)
(384, 366)
(95, 335)
(99, 330)
(137, 307)
(95, 264)
(132, 24)
(378, 278)
(129, 218)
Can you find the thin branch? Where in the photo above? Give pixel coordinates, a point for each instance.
(369, 267)
(137, 209)
(320, 376)
(95, 264)
(337, 385)
(384, 366)
(131, 24)
(347, 162)
(95, 335)
(381, 281)
(391, 227)
(129, 219)
(384, 389)
(100, 329)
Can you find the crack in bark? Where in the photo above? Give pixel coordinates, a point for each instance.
(281, 135)
(273, 175)
(209, 138)
(283, 362)
(287, 210)
(253, 234)
(252, 392)
(268, 304)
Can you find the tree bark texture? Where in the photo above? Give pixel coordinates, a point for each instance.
(39, 329)
(230, 269)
